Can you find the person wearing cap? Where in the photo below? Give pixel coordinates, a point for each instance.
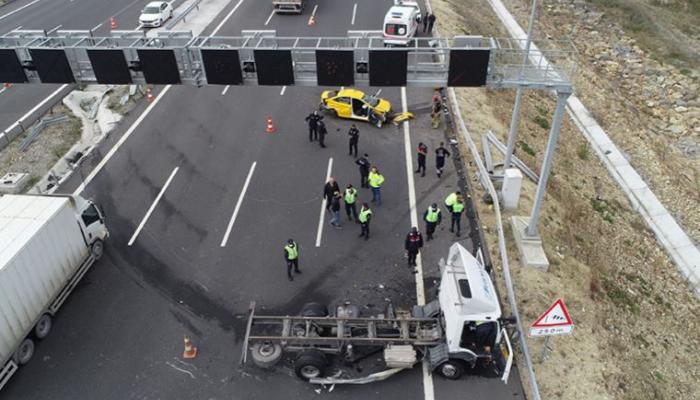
(354, 135)
(457, 209)
(350, 200)
(451, 199)
(413, 243)
(365, 217)
(364, 164)
(313, 120)
(291, 255)
(432, 218)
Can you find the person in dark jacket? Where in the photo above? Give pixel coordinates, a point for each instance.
(354, 134)
(422, 153)
(431, 22)
(365, 165)
(413, 244)
(328, 190)
(313, 120)
(441, 154)
(335, 209)
(425, 22)
(321, 128)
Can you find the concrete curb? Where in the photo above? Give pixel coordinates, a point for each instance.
(14, 130)
(669, 233)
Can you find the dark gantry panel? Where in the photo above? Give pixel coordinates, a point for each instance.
(52, 65)
(274, 67)
(222, 67)
(335, 67)
(159, 66)
(109, 66)
(11, 70)
(468, 68)
(387, 67)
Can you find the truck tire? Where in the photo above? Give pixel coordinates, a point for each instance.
(42, 327)
(97, 249)
(314, 310)
(266, 354)
(311, 363)
(25, 351)
(451, 369)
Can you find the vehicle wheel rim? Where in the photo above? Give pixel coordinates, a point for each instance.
(449, 370)
(266, 350)
(97, 250)
(309, 371)
(25, 352)
(43, 327)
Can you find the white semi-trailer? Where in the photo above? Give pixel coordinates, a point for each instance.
(47, 244)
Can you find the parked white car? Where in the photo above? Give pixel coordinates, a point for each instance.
(155, 14)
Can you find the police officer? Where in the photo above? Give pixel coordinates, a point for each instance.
(432, 218)
(457, 209)
(291, 255)
(422, 153)
(364, 164)
(441, 154)
(321, 128)
(350, 199)
(313, 120)
(365, 217)
(413, 243)
(354, 134)
(451, 199)
(376, 180)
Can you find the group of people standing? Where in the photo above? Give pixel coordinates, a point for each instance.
(428, 22)
(441, 154)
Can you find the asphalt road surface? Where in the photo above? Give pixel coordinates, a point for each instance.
(67, 15)
(119, 336)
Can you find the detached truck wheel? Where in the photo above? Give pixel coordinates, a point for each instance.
(97, 249)
(42, 328)
(25, 351)
(451, 369)
(266, 354)
(310, 364)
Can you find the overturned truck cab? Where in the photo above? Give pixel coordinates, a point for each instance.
(460, 332)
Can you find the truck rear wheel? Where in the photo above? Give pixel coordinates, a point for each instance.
(310, 364)
(97, 249)
(42, 328)
(266, 354)
(25, 351)
(451, 369)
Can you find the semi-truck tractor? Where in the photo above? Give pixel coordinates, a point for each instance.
(47, 244)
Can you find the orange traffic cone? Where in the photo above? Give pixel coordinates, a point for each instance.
(270, 128)
(113, 22)
(190, 350)
(7, 85)
(312, 21)
(149, 94)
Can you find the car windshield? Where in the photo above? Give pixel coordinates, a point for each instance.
(371, 100)
(151, 10)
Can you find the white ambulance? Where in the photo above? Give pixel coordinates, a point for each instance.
(401, 23)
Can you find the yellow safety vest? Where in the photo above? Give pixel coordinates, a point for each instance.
(292, 252)
(457, 207)
(451, 199)
(364, 213)
(432, 215)
(350, 195)
(375, 180)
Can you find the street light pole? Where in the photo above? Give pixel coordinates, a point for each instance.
(515, 119)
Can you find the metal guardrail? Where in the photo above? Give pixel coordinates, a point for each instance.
(38, 128)
(181, 17)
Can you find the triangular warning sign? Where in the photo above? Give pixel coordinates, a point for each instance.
(556, 315)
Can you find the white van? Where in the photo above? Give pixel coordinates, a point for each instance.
(401, 23)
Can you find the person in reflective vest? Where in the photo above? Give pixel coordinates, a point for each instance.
(291, 255)
(365, 217)
(376, 180)
(413, 243)
(457, 209)
(350, 199)
(451, 199)
(432, 218)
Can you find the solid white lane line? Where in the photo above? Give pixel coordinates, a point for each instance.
(267, 21)
(354, 12)
(19, 9)
(223, 21)
(223, 92)
(283, 90)
(121, 141)
(36, 107)
(238, 204)
(322, 215)
(153, 206)
(2, 90)
(428, 390)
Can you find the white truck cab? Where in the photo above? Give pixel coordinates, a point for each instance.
(401, 23)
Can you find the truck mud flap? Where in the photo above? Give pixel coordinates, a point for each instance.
(379, 376)
(437, 355)
(7, 371)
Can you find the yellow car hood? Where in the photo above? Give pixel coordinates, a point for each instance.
(383, 106)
